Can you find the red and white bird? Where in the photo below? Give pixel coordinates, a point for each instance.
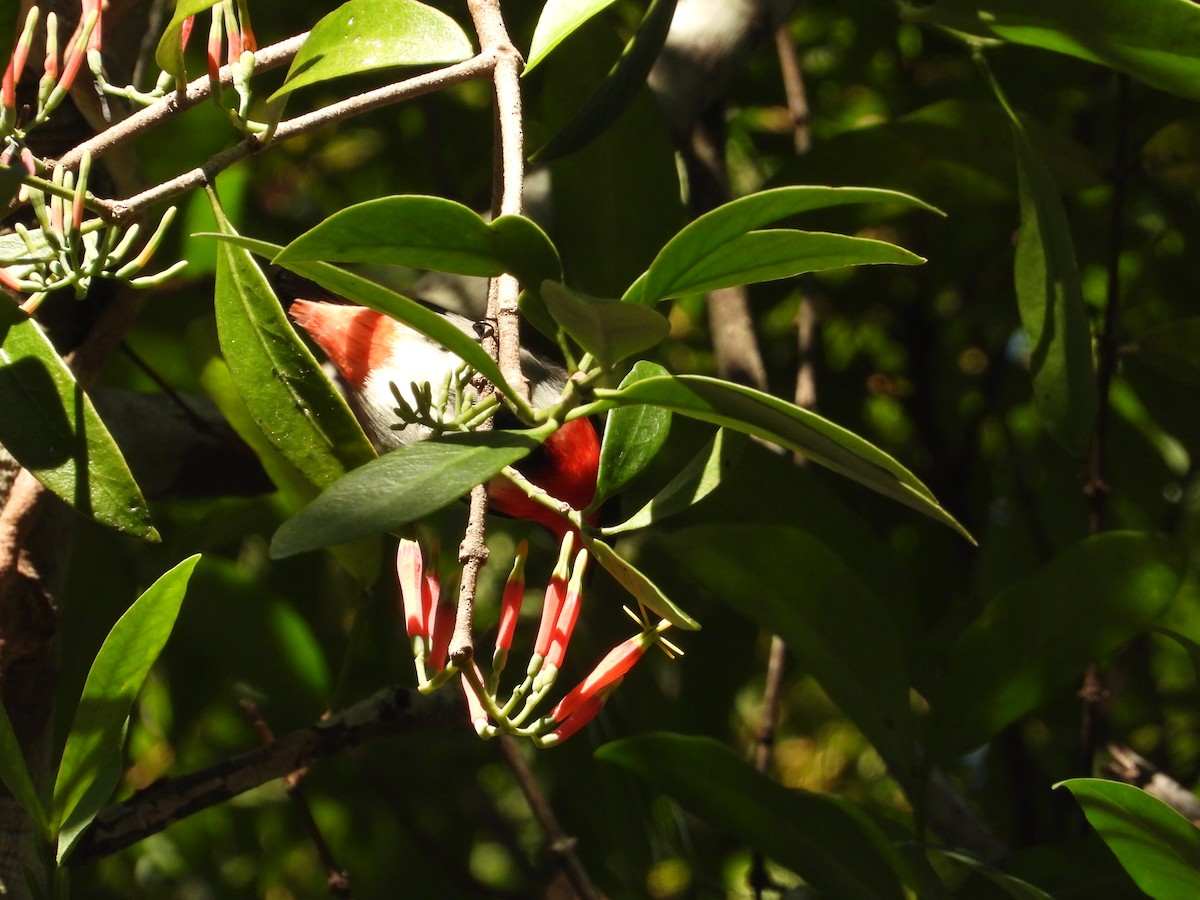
(373, 352)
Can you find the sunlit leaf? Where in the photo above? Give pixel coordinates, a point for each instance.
(608, 329)
(401, 487)
(50, 427)
(633, 435)
(829, 842)
(367, 35)
(639, 585)
(558, 19)
(1034, 638)
(169, 54)
(1158, 847)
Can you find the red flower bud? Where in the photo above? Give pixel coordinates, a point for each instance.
(556, 592)
(97, 7)
(409, 570)
(514, 594)
(611, 669)
(569, 614)
(479, 715)
(185, 31)
(583, 714)
(443, 629)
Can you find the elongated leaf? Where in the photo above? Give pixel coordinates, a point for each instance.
(169, 54)
(367, 35)
(826, 840)
(778, 253)
(840, 631)
(1158, 847)
(638, 584)
(633, 435)
(1050, 300)
(107, 777)
(1173, 349)
(279, 380)
(368, 293)
(51, 428)
(711, 231)
(608, 329)
(620, 87)
(429, 233)
(401, 487)
(116, 676)
(754, 412)
(1155, 41)
(1034, 638)
(14, 774)
(558, 19)
(695, 481)
(1013, 887)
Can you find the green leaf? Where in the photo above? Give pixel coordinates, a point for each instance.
(826, 840)
(1035, 637)
(50, 427)
(839, 629)
(367, 35)
(638, 584)
(1173, 349)
(428, 233)
(633, 435)
(1050, 300)
(558, 19)
(1158, 847)
(116, 676)
(1010, 885)
(695, 481)
(401, 487)
(368, 293)
(169, 54)
(607, 329)
(108, 776)
(712, 231)
(1155, 41)
(754, 412)
(14, 774)
(279, 380)
(620, 87)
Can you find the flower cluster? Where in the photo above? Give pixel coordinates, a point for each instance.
(58, 70)
(429, 621)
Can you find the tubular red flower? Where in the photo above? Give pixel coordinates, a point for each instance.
(479, 716)
(21, 51)
(556, 592)
(96, 6)
(569, 615)
(77, 49)
(50, 66)
(619, 660)
(409, 566)
(443, 628)
(8, 90)
(583, 714)
(514, 594)
(215, 34)
(8, 281)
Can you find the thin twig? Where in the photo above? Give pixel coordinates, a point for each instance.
(793, 86)
(559, 844)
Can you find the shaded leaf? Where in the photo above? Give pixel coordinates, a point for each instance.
(826, 840)
(1158, 847)
(695, 481)
(279, 380)
(1035, 637)
(14, 774)
(113, 682)
(607, 329)
(401, 487)
(1050, 300)
(1173, 349)
(838, 628)
(638, 584)
(50, 427)
(632, 437)
(558, 19)
(754, 412)
(169, 54)
(618, 89)
(1155, 41)
(367, 35)
(713, 230)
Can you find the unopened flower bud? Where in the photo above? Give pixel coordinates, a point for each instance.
(556, 592)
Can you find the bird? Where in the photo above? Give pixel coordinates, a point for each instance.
(375, 354)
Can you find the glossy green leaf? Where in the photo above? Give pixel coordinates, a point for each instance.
(1158, 847)
(695, 481)
(1035, 637)
(620, 87)
(712, 231)
(428, 233)
(14, 774)
(839, 629)
(1050, 300)
(558, 19)
(754, 412)
(1155, 41)
(278, 378)
(169, 54)
(1173, 349)
(367, 35)
(638, 584)
(632, 437)
(50, 427)
(99, 792)
(607, 329)
(368, 293)
(113, 682)
(829, 842)
(401, 487)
